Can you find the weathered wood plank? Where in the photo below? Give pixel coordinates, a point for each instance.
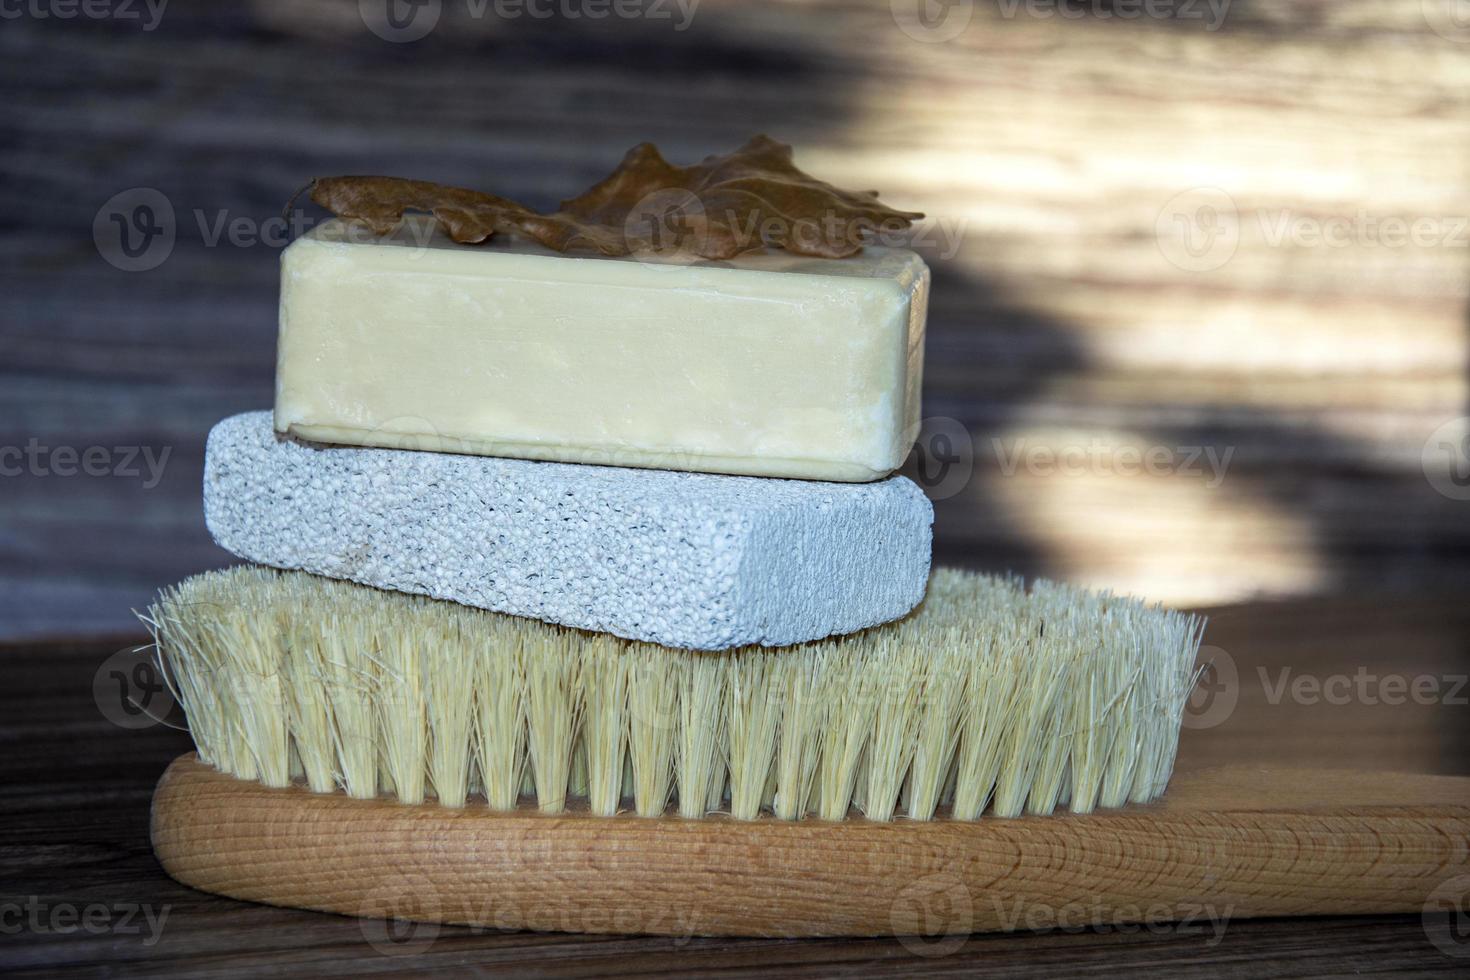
(1046, 150)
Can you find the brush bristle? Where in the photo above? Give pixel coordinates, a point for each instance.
(990, 696)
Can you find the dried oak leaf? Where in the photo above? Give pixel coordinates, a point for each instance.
(379, 202)
(715, 209)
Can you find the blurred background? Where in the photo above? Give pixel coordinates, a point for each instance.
(1200, 266)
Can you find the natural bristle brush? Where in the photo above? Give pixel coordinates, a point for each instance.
(387, 755)
(989, 696)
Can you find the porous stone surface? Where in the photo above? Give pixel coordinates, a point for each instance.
(693, 560)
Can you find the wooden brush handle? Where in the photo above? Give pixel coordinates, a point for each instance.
(1225, 843)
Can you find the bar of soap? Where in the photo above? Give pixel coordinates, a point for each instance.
(693, 560)
(769, 365)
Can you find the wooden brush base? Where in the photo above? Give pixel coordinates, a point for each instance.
(1225, 843)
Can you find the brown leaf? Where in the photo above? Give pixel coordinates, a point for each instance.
(379, 202)
(715, 209)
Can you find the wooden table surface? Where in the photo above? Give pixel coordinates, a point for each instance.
(1306, 684)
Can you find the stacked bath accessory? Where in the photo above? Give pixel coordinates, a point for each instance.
(375, 351)
(560, 550)
(674, 485)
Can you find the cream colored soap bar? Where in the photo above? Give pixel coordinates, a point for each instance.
(770, 365)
